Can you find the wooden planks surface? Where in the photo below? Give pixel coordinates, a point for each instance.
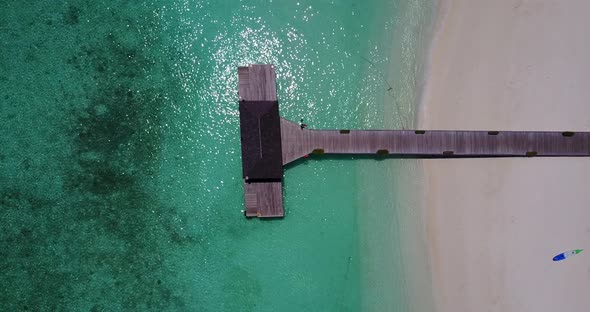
(263, 199)
(257, 83)
(298, 142)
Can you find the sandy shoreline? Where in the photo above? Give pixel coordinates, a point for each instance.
(494, 224)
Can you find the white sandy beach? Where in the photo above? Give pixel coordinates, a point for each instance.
(493, 225)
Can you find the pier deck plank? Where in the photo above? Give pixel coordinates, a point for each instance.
(297, 142)
(264, 199)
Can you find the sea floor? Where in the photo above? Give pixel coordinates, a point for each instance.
(120, 183)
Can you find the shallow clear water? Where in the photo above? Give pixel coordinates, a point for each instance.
(120, 183)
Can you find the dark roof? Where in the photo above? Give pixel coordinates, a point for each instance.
(260, 127)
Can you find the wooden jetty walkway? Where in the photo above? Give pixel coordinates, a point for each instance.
(269, 142)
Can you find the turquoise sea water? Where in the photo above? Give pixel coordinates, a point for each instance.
(120, 183)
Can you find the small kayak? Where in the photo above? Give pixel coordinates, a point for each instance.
(567, 254)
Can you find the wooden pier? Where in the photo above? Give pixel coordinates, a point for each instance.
(261, 142)
(270, 142)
